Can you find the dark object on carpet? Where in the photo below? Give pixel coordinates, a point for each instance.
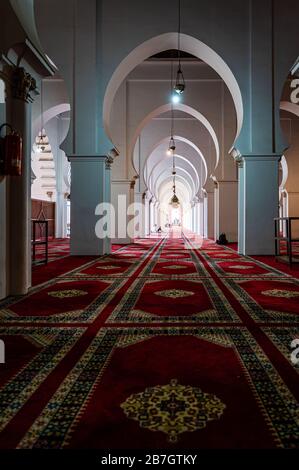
(222, 239)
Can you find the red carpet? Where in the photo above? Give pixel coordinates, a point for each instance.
(60, 261)
(43, 273)
(161, 344)
(274, 263)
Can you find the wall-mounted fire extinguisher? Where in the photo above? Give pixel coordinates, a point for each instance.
(10, 152)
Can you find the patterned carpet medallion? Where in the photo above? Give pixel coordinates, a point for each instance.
(165, 343)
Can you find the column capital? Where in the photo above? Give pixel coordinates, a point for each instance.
(255, 157)
(22, 84)
(79, 158)
(240, 159)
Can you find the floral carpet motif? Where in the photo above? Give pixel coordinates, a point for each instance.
(287, 294)
(65, 294)
(173, 409)
(174, 293)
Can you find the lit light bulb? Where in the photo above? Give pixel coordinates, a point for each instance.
(175, 98)
(169, 152)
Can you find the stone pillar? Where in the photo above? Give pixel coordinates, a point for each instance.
(61, 196)
(226, 209)
(146, 215)
(87, 191)
(61, 215)
(197, 218)
(140, 230)
(108, 164)
(155, 219)
(157, 214)
(19, 224)
(152, 216)
(241, 195)
(201, 216)
(122, 196)
(209, 215)
(192, 216)
(258, 203)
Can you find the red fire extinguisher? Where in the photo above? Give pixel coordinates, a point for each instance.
(10, 152)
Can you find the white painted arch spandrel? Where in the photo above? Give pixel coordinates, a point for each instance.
(159, 44)
(186, 109)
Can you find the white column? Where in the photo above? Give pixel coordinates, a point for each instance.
(108, 164)
(199, 222)
(146, 216)
(157, 214)
(197, 218)
(209, 215)
(56, 129)
(205, 216)
(61, 215)
(194, 218)
(216, 212)
(61, 201)
(226, 209)
(155, 221)
(87, 191)
(122, 196)
(258, 204)
(201, 216)
(140, 230)
(152, 216)
(20, 192)
(241, 199)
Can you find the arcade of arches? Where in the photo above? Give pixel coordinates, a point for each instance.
(96, 338)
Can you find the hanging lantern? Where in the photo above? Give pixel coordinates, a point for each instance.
(174, 202)
(171, 146)
(179, 86)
